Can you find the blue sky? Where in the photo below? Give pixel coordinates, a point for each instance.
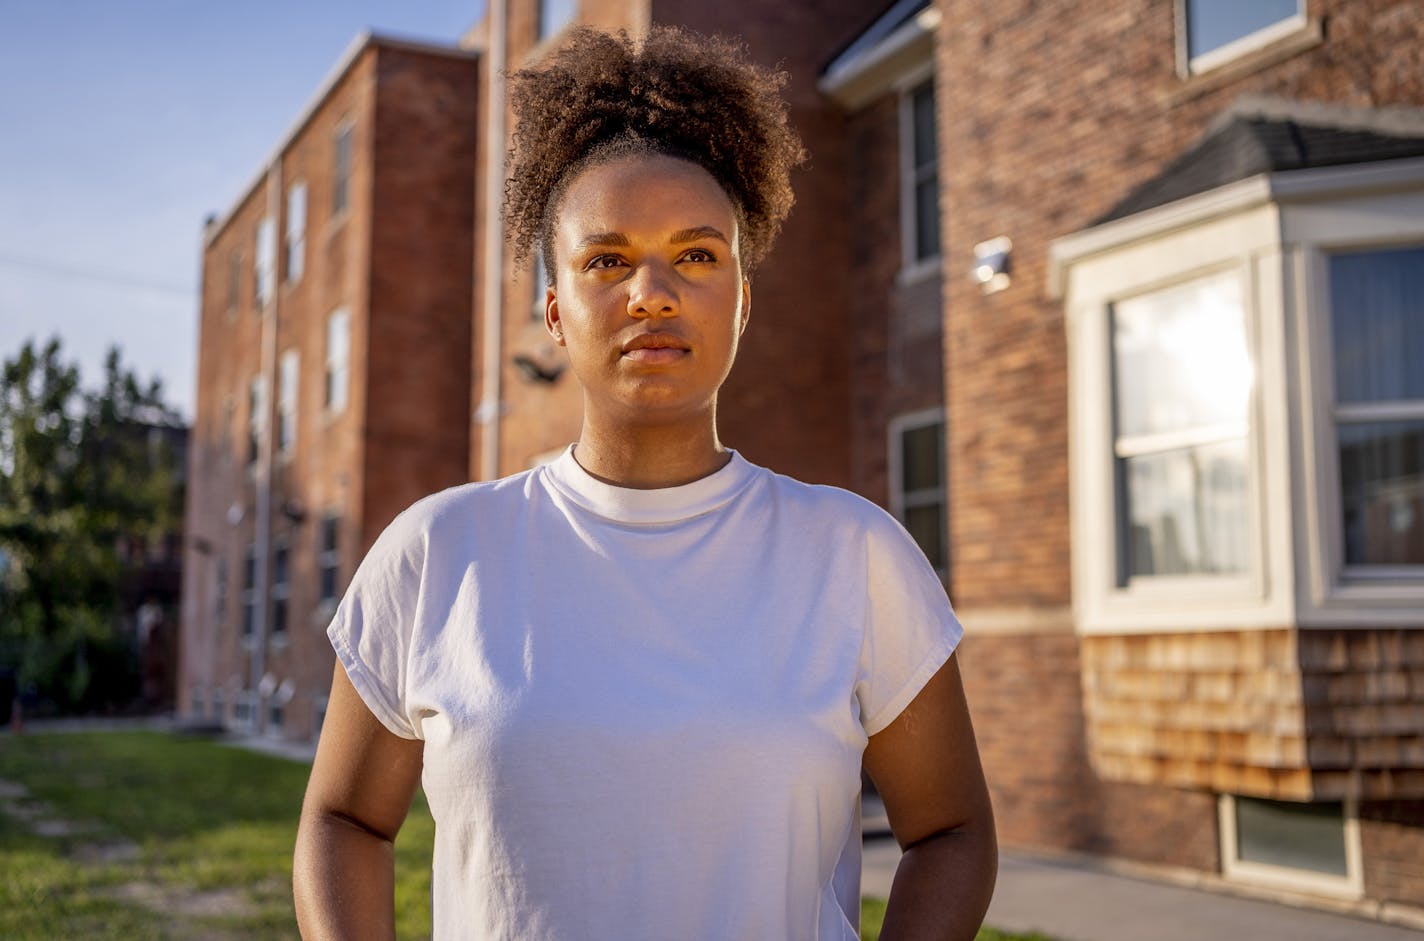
(122, 126)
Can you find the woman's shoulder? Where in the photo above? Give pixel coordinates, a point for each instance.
(453, 510)
(827, 501)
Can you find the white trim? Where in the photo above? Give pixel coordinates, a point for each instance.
(1349, 886)
(899, 500)
(855, 82)
(910, 262)
(1241, 46)
(1285, 187)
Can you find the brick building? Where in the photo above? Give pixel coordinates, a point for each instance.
(333, 374)
(1191, 566)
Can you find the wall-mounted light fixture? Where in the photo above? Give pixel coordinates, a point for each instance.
(991, 263)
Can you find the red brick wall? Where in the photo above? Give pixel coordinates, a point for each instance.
(418, 374)
(1025, 695)
(897, 364)
(1392, 843)
(1050, 113)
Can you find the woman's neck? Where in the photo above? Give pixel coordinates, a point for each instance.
(650, 457)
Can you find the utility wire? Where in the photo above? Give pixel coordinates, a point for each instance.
(114, 279)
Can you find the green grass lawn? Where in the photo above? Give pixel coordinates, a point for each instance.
(143, 835)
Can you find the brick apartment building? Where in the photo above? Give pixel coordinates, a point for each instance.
(1165, 443)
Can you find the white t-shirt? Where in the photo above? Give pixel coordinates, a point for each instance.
(643, 710)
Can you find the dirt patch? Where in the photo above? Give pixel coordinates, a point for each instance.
(194, 903)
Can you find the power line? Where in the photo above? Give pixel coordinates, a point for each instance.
(112, 278)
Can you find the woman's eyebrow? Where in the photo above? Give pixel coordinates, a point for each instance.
(601, 239)
(696, 234)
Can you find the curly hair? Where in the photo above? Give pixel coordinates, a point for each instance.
(676, 93)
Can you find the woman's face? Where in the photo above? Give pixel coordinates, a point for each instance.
(648, 293)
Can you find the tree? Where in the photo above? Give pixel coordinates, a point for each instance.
(82, 477)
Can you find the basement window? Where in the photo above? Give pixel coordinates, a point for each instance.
(1310, 847)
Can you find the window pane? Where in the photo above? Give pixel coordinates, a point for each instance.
(921, 456)
(1377, 320)
(925, 524)
(1382, 492)
(922, 106)
(1187, 511)
(553, 14)
(1212, 24)
(1300, 836)
(1180, 358)
(927, 218)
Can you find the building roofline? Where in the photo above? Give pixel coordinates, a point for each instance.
(876, 58)
(1282, 187)
(363, 40)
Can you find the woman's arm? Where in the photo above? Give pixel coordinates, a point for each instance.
(362, 782)
(926, 767)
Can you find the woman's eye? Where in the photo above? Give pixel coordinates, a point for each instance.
(605, 261)
(699, 255)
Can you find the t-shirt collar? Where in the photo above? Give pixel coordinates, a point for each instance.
(663, 505)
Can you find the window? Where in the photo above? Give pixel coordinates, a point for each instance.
(917, 483)
(288, 373)
(220, 593)
(338, 360)
(553, 14)
(1214, 31)
(295, 262)
(280, 574)
(266, 261)
(1182, 386)
(234, 281)
(329, 556)
(256, 418)
(1377, 343)
(919, 190)
(249, 593)
(341, 170)
(1300, 846)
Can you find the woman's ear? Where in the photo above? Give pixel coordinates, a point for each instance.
(551, 316)
(746, 305)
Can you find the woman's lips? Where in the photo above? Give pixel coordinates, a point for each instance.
(654, 355)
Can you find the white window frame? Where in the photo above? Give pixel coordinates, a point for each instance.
(341, 171)
(329, 559)
(895, 468)
(295, 257)
(1349, 886)
(256, 419)
(912, 268)
(265, 262)
(1188, 64)
(1279, 229)
(289, 368)
(281, 593)
(1137, 256)
(1332, 593)
(337, 375)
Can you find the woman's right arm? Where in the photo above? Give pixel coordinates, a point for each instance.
(362, 783)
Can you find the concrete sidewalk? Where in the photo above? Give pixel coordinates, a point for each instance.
(1077, 901)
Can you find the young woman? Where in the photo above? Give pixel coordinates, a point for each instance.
(639, 683)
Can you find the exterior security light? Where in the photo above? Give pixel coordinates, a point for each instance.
(991, 263)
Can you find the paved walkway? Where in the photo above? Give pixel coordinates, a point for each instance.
(1071, 901)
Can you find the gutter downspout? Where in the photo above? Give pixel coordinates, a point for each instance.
(262, 537)
(492, 305)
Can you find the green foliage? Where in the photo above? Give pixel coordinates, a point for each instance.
(213, 829)
(81, 474)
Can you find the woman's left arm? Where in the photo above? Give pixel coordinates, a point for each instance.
(926, 767)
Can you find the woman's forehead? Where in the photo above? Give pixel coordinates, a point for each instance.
(643, 194)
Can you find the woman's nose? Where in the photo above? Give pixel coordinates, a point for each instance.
(651, 292)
